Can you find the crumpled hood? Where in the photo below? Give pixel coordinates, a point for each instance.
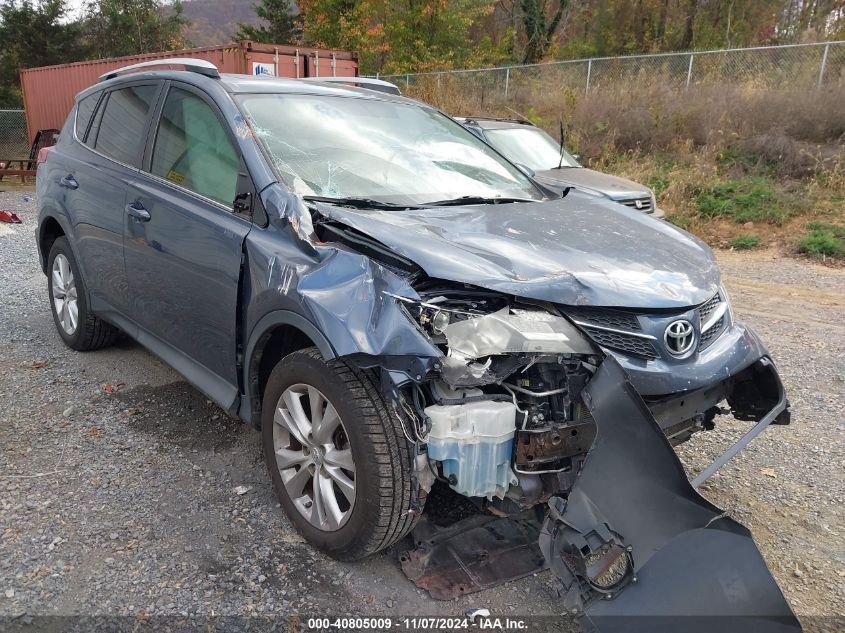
(613, 187)
(579, 250)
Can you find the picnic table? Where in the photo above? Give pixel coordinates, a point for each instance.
(24, 168)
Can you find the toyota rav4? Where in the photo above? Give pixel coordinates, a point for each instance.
(405, 315)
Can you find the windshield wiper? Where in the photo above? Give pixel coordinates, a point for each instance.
(452, 202)
(359, 203)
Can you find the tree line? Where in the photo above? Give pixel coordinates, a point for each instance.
(37, 33)
(395, 36)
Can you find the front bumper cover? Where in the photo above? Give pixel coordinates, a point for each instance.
(682, 563)
(736, 348)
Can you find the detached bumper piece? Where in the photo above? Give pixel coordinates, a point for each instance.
(637, 549)
(758, 396)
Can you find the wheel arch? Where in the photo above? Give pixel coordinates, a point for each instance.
(276, 335)
(49, 230)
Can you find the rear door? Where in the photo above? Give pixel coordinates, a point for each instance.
(183, 240)
(110, 129)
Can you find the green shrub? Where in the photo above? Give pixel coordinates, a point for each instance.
(824, 239)
(745, 242)
(747, 200)
(823, 227)
(658, 184)
(732, 157)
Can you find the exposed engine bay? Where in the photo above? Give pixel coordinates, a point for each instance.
(526, 423)
(504, 422)
(511, 424)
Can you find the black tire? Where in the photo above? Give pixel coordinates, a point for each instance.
(380, 515)
(91, 332)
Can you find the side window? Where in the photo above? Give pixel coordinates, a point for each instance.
(84, 112)
(95, 124)
(193, 150)
(120, 129)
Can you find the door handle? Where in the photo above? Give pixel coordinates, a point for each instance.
(69, 181)
(137, 211)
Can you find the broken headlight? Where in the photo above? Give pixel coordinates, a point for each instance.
(440, 307)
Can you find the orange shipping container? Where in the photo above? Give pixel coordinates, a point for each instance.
(48, 91)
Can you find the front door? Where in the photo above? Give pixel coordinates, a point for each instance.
(183, 243)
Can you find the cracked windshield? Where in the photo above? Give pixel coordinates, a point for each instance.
(395, 153)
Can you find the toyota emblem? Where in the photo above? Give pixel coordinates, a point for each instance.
(679, 337)
(638, 203)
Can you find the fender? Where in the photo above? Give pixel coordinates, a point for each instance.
(269, 321)
(59, 216)
(64, 222)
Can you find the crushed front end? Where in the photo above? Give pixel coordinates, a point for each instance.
(559, 462)
(533, 446)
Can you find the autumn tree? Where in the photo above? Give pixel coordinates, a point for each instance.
(539, 26)
(128, 27)
(278, 24)
(34, 34)
(398, 35)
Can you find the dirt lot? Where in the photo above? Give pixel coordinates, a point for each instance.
(118, 480)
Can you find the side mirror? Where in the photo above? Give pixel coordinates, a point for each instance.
(577, 157)
(525, 169)
(242, 203)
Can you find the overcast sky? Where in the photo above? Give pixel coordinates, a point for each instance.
(75, 7)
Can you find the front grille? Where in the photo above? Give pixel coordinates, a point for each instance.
(711, 334)
(606, 318)
(645, 204)
(706, 309)
(623, 331)
(627, 343)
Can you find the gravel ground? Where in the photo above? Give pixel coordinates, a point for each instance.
(121, 486)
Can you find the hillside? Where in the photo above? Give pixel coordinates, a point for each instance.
(214, 22)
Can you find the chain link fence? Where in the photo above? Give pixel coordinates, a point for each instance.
(14, 142)
(789, 67)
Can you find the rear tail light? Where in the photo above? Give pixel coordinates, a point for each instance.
(42, 155)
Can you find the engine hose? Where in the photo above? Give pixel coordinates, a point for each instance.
(535, 394)
(496, 397)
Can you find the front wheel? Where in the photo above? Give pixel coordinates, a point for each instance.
(339, 461)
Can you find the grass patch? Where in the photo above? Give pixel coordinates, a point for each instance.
(732, 157)
(745, 242)
(658, 184)
(824, 240)
(752, 199)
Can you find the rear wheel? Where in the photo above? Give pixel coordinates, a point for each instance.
(339, 461)
(79, 328)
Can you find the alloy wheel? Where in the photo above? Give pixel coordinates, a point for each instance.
(64, 294)
(314, 457)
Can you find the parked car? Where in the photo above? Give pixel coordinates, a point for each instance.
(402, 311)
(525, 144)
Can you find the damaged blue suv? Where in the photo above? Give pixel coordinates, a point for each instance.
(407, 316)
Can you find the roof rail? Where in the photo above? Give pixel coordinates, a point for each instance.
(200, 66)
(364, 82)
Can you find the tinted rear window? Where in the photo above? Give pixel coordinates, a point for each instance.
(121, 128)
(84, 112)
